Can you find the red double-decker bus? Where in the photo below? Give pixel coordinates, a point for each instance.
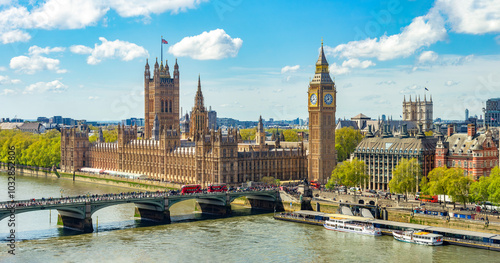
(428, 198)
(191, 188)
(214, 188)
(315, 184)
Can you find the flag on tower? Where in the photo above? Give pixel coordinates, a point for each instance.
(426, 88)
(163, 41)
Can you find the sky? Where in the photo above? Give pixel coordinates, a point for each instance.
(85, 59)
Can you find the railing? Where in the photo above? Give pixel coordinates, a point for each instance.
(108, 197)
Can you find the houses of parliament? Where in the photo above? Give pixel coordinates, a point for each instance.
(208, 156)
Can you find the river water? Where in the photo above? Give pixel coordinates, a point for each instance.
(246, 236)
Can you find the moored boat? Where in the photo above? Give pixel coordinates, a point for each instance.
(347, 225)
(418, 237)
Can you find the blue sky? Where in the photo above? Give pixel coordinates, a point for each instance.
(85, 59)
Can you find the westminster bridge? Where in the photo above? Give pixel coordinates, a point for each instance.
(76, 212)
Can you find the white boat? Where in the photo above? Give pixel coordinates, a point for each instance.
(347, 225)
(418, 237)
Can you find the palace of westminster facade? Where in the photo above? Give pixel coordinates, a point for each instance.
(208, 156)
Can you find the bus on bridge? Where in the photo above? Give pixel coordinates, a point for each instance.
(190, 189)
(217, 188)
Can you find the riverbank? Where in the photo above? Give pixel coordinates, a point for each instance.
(134, 184)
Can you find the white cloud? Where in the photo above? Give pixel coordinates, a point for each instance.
(3, 68)
(35, 63)
(347, 65)
(40, 87)
(215, 44)
(423, 31)
(123, 50)
(80, 49)
(76, 14)
(290, 69)
(93, 97)
(6, 92)
(427, 56)
(14, 36)
(36, 50)
(145, 8)
(472, 16)
(5, 80)
(450, 83)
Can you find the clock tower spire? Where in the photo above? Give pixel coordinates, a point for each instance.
(322, 106)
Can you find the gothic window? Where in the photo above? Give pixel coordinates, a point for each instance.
(162, 106)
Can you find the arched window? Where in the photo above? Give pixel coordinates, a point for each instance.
(170, 107)
(162, 106)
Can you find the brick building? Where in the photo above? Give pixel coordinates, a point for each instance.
(475, 153)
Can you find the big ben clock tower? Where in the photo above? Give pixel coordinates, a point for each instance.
(322, 102)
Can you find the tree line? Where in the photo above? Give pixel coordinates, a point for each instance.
(407, 178)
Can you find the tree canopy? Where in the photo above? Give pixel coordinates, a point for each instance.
(448, 181)
(349, 173)
(487, 188)
(42, 150)
(346, 140)
(405, 176)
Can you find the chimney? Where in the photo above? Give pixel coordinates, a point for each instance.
(471, 130)
(451, 129)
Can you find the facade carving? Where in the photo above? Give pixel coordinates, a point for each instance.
(210, 156)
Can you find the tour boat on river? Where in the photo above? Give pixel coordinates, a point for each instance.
(418, 237)
(347, 225)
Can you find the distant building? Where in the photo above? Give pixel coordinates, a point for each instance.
(68, 122)
(212, 119)
(33, 127)
(361, 122)
(9, 126)
(466, 114)
(43, 119)
(475, 153)
(56, 120)
(418, 111)
(492, 113)
(382, 153)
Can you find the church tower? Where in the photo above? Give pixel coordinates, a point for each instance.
(322, 103)
(260, 135)
(161, 97)
(199, 115)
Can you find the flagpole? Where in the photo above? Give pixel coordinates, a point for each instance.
(161, 41)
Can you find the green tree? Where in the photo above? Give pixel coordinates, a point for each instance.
(291, 135)
(349, 173)
(248, 134)
(346, 140)
(459, 185)
(269, 180)
(480, 190)
(437, 181)
(494, 187)
(110, 135)
(405, 176)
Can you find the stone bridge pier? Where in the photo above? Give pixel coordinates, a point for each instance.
(78, 220)
(153, 212)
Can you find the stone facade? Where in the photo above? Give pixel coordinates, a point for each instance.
(210, 156)
(381, 154)
(418, 111)
(474, 153)
(322, 101)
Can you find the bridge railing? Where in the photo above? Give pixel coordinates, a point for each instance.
(112, 197)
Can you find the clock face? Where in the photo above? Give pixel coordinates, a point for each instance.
(314, 99)
(328, 99)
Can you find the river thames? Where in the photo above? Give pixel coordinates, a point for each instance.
(245, 236)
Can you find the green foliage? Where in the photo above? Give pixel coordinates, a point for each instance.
(349, 173)
(291, 135)
(487, 188)
(92, 127)
(110, 135)
(93, 138)
(429, 133)
(346, 140)
(453, 182)
(42, 150)
(248, 134)
(405, 176)
(459, 185)
(270, 180)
